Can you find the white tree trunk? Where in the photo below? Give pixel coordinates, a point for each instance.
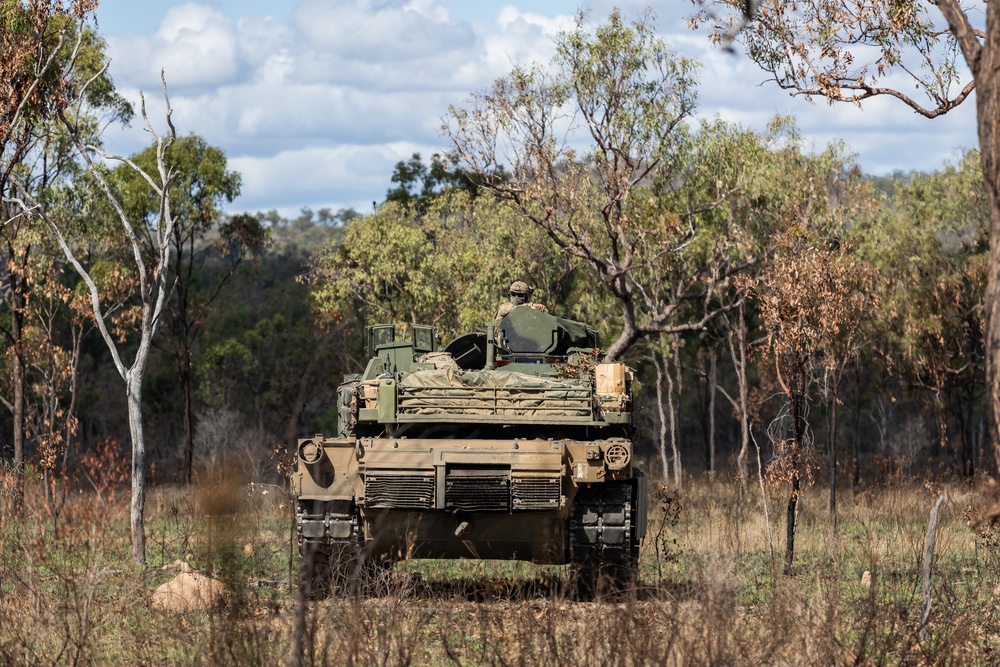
(672, 388)
(737, 342)
(664, 457)
(138, 513)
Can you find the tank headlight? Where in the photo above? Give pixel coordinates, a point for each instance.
(617, 456)
(310, 452)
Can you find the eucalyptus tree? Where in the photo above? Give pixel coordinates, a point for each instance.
(203, 183)
(445, 265)
(417, 183)
(932, 245)
(599, 153)
(148, 275)
(911, 51)
(48, 56)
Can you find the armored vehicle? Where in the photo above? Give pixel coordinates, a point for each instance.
(515, 443)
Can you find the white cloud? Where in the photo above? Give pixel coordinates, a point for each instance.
(195, 45)
(379, 32)
(346, 175)
(316, 109)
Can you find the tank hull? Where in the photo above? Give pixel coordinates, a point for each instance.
(518, 448)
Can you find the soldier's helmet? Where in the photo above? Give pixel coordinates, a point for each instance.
(520, 288)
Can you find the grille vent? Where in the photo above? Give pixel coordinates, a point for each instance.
(477, 489)
(400, 491)
(535, 493)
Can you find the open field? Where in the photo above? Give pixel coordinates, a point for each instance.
(710, 589)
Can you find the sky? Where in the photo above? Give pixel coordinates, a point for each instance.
(315, 101)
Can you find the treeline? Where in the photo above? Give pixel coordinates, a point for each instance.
(775, 302)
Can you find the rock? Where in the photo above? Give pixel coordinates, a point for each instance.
(866, 579)
(188, 591)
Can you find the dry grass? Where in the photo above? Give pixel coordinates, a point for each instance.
(710, 592)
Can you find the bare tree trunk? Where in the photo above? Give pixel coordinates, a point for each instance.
(138, 522)
(77, 337)
(713, 378)
(18, 413)
(988, 113)
(674, 386)
(184, 375)
(925, 613)
(832, 463)
(856, 480)
(738, 353)
(795, 396)
(152, 290)
(664, 458)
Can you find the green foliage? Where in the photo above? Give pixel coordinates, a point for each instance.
(447, 266)
(262, 353)
(418, 184)
(48, 55)
(201, 183)
(308, 232)
(630, 86)
(664, 215)
(90, 70)
(931, 245)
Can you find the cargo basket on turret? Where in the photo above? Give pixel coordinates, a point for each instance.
(434, 393)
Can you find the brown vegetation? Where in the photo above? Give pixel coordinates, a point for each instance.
(711, 588)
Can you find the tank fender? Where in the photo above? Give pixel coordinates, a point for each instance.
(325, 468)
(599, 460)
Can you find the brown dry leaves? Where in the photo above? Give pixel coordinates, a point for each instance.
(31, 85)
(813, 301)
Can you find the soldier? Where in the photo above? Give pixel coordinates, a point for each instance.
(520, 294)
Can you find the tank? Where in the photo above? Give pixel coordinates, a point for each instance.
(515, 443)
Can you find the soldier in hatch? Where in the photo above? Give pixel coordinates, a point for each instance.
(520, 295)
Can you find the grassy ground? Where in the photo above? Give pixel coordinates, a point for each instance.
(711, 588)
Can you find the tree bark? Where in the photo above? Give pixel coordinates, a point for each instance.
(184, 375)
(925, 613)
(664, 458)
(795, 396)
(183, 277)
(856, 475)
(832, 463)
(138, 522)
(713, 378)
(987, 76)
(738, 353)
(674, 387)
(18, 399)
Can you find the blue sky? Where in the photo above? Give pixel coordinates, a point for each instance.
(314, 101)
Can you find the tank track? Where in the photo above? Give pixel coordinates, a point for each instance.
(331, 566)
(603, 538)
